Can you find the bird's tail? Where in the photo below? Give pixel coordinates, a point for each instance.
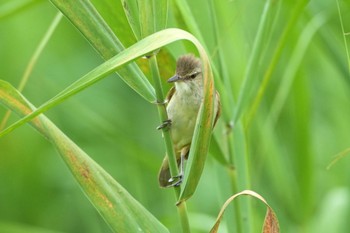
(164, 174)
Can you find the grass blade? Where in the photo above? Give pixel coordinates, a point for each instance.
(216, 151)
(119, 209)
(344, 34)
(271, 224)
(201, 137)
(90, 23)
(146, 16)
(131, 11)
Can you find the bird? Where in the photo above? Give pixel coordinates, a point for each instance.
(183, 102)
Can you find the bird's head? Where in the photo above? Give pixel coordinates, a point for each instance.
(188, 69)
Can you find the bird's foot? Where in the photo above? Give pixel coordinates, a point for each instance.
(175, 181)
(165, 125)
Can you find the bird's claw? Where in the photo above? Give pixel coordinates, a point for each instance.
(175, 181)
(166, 124)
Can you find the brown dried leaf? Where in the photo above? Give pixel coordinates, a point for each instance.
(270, 223)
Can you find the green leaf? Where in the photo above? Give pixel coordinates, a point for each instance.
(132, 14)
(160, 12)
(201, 137)
(119, 209)
(146, 16)
(90, 23)
(217, 153)
(146, 19)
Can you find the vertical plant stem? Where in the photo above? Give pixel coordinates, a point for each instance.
(182, 210)
(233, 178)
(163, 115)
(344, 34)
(181, 207)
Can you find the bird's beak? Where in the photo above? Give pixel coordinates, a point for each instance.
(174, 78)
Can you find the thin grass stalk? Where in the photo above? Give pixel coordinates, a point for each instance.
(344, 35)
(163, 115)
(233, 178)
(174, 171)
(242, 161)
(33, 60)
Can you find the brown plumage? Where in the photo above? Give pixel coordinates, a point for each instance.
(184, 100)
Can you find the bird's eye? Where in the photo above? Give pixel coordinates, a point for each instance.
(193, 75)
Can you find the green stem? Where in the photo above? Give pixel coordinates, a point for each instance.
(182, 210)
(233, 178)
(344, 34)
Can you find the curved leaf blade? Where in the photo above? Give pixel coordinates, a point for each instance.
(119, 209)
(271, 224)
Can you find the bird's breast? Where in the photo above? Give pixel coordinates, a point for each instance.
(182, 111)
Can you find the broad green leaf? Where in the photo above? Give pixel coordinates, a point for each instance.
(131, 10)
(112, 13)
(202, 134)
(271, 224)
(217, 153)
(90, 23)
(160, 12)
(146, 16)
(201, 137)
(119, 209)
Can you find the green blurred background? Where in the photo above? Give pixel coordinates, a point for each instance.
(288, 153)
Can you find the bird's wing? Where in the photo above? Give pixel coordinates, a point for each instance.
(218, 113)
(170, 94)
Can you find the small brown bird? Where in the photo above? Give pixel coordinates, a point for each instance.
(183, 103)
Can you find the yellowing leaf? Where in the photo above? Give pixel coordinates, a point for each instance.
(270, 223)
